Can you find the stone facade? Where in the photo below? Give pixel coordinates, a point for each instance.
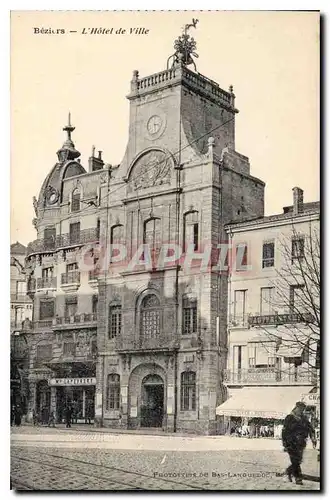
(162, 330)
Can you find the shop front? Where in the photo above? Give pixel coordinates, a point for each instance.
(78, 394)
(258, 411)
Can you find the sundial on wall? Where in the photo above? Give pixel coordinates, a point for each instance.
(151, 169)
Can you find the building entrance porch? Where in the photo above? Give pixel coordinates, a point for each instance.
(80, 399)
(152, 401)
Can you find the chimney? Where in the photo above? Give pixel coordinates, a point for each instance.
(95, 163)
(298, 200)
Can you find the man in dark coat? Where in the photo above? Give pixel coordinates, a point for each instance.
(68, 415)
(296, 430)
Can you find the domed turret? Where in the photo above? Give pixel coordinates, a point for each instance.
(67, 166)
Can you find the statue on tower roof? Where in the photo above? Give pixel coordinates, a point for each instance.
(185, 47)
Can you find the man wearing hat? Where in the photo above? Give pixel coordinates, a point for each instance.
(296, 430)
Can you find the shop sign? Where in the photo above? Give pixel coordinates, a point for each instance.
(72, 381)
(311, 399)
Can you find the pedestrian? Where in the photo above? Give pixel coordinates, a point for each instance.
(296, 430)
(68, 414)
(51, 420)
(34, 417)
(18, 416)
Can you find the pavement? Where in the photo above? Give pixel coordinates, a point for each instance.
(79, 458)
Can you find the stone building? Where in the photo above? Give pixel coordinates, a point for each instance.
(162, 330)
(159, 329)
(274, 315)
(62, 336)
(20, 310)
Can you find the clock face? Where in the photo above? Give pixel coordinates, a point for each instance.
(52, 195)
(154, 124)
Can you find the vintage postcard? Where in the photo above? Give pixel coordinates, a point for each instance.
(165, 250)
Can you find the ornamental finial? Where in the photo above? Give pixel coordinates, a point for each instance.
(69, 128)
(185, 47)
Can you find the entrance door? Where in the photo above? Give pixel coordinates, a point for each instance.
(43, 401)
(152, 407)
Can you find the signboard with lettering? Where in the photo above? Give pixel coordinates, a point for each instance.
(312, 399)
(72, 381)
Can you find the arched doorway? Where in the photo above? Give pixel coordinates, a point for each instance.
(43, 401)
(152, 401)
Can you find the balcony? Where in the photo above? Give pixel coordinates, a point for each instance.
(62, 241)
(159, 343)
(238, 321)
(43, 324)
(67, 322)
(47, 283)
(269, 376)
(70, 281)
(280, 319)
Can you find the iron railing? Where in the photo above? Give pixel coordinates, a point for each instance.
(71, 277)
(63, 240)
(44, 282)
(269, 375)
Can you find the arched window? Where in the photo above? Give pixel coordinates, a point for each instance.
(75, 202)
(113, 392)
(190, 230)
(114, 321)
(189, 316)
(188, 391)
(150, 317)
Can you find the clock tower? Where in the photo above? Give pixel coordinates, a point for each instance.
(180, 182)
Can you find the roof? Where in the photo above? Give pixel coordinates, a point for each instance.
(17, 248)
(308, 208)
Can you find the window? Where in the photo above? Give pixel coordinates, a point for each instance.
(114, 321)
(95, 302)
(150, 317)
(21, 287)
(237, 357)
(74, 233)
(47, 272)
(69, 348)
(44, 352)
(71, 267)
(268, 254)
(297, 299)
(71, 306)
(241, 256)
(113, 392)
(267, 295)
(188, 391)
(49, 238)
(116, 238)
(47, 309)
(152, 236)
(190, 231)
(75, 205)
(189, 323)
(262, 354)
(239, 305)
(98, 226)
(19, 315)
(298, 249)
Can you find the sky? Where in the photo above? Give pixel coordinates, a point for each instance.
(271, 59)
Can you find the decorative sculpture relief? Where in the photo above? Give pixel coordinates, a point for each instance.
(152, 169)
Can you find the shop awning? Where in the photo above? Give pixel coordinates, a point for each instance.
(263, 402)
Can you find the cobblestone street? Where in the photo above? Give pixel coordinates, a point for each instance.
(53, 459)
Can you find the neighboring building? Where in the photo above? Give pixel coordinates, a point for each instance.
(273, 327)
(62, 339)
(161, 332)
(20, 310)
(20, 303)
